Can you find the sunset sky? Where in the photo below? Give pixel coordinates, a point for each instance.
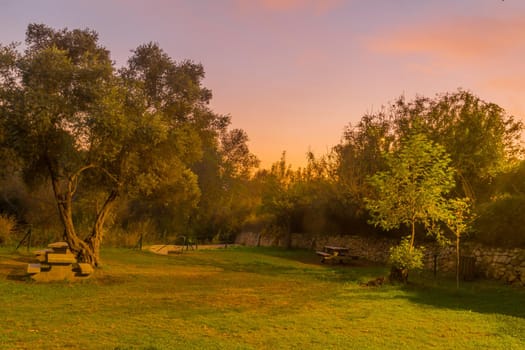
(293, 73)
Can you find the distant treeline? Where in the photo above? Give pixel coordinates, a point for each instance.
(484, 145)
(90, 151)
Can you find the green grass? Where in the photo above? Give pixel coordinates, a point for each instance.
(253, 299)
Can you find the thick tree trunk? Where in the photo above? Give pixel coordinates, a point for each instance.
(64, 201)
(82, 250)
(88, 250)
(97, 233)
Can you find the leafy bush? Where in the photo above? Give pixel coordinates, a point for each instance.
(401, 257)
(7, 227)
(501, 222)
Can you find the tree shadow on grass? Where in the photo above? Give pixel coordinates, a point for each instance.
(307, 256)
(302, 262)
(485, 297)
(300, 255)
(488, 297)
(13, 267)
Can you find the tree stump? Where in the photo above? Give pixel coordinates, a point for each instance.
(398, 275)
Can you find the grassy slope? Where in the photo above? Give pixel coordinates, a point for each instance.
(253, 299)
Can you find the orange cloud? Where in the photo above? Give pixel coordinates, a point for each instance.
(463, 38)
(316, 6)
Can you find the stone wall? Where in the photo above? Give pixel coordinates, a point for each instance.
(492, 263)
(507, 264)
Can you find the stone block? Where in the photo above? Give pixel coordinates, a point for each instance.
(33, 268)
(56, 273)
(59, 247)
(514, 262)
(84, 269)
(57, 258)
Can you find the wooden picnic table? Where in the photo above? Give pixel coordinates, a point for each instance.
(335, 253)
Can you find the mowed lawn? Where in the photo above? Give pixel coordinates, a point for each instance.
(252, 298)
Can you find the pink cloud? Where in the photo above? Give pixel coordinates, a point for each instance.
(508, 83)
(316, 6)
(459, 38)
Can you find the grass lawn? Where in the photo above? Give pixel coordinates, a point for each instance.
(247, 298)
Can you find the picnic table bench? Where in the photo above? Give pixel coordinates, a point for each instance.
(56, 263)
(334, 253)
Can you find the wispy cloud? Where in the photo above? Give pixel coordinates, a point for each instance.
(459, 38)
(315, 6)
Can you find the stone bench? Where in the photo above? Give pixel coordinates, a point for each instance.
(57, 263)
(57, 258)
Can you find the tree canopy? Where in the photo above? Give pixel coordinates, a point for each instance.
(481, 137)
(412, 189)
(139, 146)
(91, 130)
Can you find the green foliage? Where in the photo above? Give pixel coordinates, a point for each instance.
(84, 134)
(460, 217)
(411, 191)
(501, 222)
(228, 195)
(282, 195)
(459, 221)
(404, 256)
(360, 155)
(481, 138)
(305, 200)
(236, 160)
(52, 98)
(96, 134)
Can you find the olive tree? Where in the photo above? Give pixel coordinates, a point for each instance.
(86, 128)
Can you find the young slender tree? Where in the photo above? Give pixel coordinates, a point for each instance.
(412, 190)
(458, 221)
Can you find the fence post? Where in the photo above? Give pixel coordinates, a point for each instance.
(467, 267)
(27, 239)
(30, 234)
